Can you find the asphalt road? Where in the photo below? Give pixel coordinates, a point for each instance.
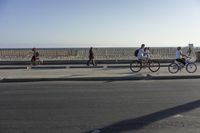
(100, 107)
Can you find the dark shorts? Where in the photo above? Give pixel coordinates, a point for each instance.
(33, 58)
(182, 60)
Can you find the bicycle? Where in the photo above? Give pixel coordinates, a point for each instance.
(176, 66)
(137, 65)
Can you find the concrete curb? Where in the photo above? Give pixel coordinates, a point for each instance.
(147, 77)
(65, 67)
(5, 80)
(150, 77)
(80, 62)
(13, 67)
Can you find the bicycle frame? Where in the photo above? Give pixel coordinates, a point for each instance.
(139, 64)
(181, 65)
(175, 66)
(145, 63)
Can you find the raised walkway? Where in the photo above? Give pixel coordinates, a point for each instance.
(83, 73)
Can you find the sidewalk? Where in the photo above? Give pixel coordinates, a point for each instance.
(2, 67)
(100, 73)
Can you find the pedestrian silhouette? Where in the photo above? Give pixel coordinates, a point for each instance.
(35, 58)
(91, 57)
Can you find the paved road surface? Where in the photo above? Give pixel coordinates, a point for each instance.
(86, 72)
(105, 107)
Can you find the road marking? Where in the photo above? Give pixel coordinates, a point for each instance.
(178, 116)
(96, 131)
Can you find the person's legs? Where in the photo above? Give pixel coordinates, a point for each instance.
(93, 62)
(141, 61)
(33, 60)
(144, 60)
(88, 62)
(181, 61)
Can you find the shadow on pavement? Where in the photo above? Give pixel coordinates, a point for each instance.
(140, 122)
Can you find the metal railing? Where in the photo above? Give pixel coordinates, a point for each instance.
(82, 53)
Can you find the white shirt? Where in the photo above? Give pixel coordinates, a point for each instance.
(147, 53)
(178, 54)
(140, 53)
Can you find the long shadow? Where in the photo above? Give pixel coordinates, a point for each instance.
(140, 122)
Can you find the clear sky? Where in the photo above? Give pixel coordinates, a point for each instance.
(99, 23)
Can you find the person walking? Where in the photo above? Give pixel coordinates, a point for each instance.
(33, 59)
(91, 57)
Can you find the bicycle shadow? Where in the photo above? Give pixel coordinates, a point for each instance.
(140, 122)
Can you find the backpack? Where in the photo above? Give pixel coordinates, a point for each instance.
(136, 52)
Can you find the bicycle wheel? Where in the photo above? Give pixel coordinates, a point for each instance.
(154, 66)
(135, 66)
(173, 68)
(191, 67)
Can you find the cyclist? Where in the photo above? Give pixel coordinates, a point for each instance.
(189, 52)
(144, 61)
(147, 52)
(180, 55)
(141, 54)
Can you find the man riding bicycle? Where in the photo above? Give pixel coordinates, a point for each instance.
(180, 55)
(141, 54)
(144, 61)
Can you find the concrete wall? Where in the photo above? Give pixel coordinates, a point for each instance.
(82, 53)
